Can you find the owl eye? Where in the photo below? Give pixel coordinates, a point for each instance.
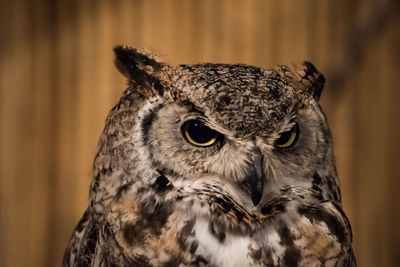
(198, 134)
(288, 138)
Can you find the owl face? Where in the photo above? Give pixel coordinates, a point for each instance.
(254, 132)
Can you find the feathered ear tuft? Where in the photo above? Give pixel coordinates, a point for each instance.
(141, 66)
(304, 77)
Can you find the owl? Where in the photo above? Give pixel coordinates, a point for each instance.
(213, 165)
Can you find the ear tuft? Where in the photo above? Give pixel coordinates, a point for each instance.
(137, 64)
(143, 68)
(305, 77)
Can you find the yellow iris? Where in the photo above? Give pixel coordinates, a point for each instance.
(198, 134)
(289, 138)
(290, 141)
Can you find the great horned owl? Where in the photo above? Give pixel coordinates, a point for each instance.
(213, 164)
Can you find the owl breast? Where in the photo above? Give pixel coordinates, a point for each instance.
(190, 229)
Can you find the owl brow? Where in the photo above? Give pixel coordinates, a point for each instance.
(196, 109)
(290, 123)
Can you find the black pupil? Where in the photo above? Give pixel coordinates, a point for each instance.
(199, 132)
(285, 136)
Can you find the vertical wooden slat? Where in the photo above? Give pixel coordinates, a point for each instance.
(160, 20)
(263, 45)
(181, 23)
(292, 37)
(42, 134)
(391, 55)
(214, 29)
(371, 162)
(5, 120)
(127, 22)
(84, 145)
(275, 33)
(384, 90)
(226, 35)
(197, 30)
(207, 41)
(236, 25)
(63, 194)
(18, 140)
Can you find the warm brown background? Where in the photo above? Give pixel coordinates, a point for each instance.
(57, 83)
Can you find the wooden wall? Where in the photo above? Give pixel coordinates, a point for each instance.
(58, 81)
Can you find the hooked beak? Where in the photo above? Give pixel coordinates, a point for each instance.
(254, 180)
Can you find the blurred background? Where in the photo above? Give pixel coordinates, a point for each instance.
(58, 82)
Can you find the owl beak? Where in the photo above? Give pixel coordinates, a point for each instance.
(255, 178)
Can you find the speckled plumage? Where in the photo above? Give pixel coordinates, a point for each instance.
(157, 200)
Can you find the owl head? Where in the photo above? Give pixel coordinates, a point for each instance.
(253, 133)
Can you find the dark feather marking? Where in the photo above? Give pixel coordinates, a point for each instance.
(337, 194)
(330, 185)
(339, 208)
(292, 257)
(88, 248)
(217, 231)
(255, 254)
(317, 180)
(162, 184)
(158, 166)
(158, 86)
(148, 121)
(133, 233)
(317, 192)
(317, 83)
(274, 205)
(155, 214)
(316, 189)
(123, 188)
(175, 260)
(280, 207)
(194, 246)
(225, 203)
(75, 241)
(185, 233)
(266, 209)
(195, 109)
(286, 189)
(261, 256)
(292, 254)
(315, 214)
(82, 221)
(139, 260)
(200, 261)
